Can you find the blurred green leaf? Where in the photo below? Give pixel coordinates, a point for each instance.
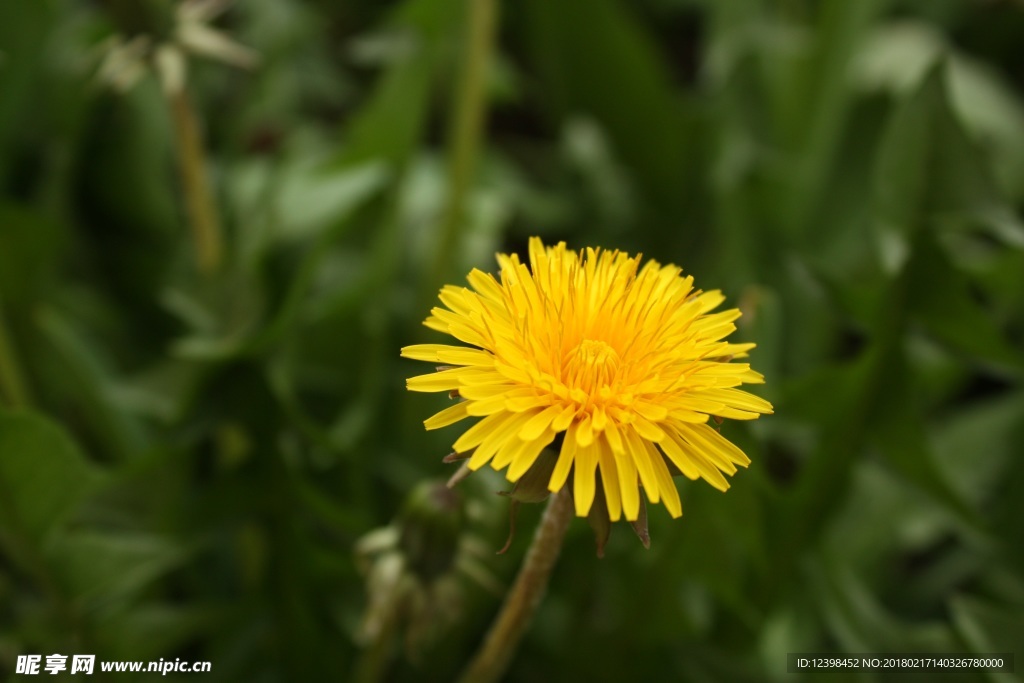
(128, 143)
(994, 113)
(100, 567)
(878, 521)
(1007, 505)
(898, 429)
(389, 126)
(929, 172)
(859, 620)
(897, 57)
(30, 245)
(22, 33)
(43, 475)
(313, 197)
(148, 631)
(720, 543)
(826, 475)
(819, 105)
(989, 628)
(84, 374)
(386, 129)
(613, 72)
(939, 298)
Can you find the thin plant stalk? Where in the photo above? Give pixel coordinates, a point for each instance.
(468, 115)
(202, 213)
(494, 656)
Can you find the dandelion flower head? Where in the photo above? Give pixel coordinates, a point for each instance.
(621, 364)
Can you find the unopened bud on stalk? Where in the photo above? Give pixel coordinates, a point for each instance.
(429, 527)
(416, 569)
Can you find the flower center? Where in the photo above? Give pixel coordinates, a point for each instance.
(591, 365)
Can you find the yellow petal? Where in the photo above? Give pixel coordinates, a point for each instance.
(710, 473)
(711, 442)
(697, 402)
(614, 437)
(435, 324)
(734, 414)
(647, 430)
(710, 300)
(448, 416)
(629, 487)
(435, 381)
(561, 423)
(478, 432)
(638, 451)
(584, 488)
(478, 392)
(585, 432)
(566, 457)
(610, 479)
(509, 451)
(674, 447)
(496, 439)
(526, 457)
(452, 355)
(519, 404)
(488, 406)
(737, 398)
(539, 423)
(704, 467)
(666, 487)
(485, 285)
(651, 411)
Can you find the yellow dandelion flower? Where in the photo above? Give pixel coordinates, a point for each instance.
(624, 363)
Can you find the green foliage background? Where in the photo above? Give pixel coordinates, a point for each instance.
(186, 462)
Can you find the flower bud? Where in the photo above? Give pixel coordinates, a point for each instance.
(429, 527)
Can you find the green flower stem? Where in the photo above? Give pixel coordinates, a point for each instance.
(494, 655)
(202, 211)
(12, 386)
(466, 130)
